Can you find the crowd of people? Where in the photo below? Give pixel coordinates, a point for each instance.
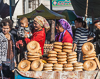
(14, 41)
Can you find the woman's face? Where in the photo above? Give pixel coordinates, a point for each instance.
(59, 29)
(37, 25)
(5, 29)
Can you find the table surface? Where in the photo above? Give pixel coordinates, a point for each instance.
(58, 74)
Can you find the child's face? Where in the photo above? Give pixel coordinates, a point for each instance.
(23, 23)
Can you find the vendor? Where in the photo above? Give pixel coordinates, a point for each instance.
(97, 38)
(64, 31)
(7, 49)
(40, 24)
(82, 35)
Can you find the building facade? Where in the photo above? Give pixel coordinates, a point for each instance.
(26, 6)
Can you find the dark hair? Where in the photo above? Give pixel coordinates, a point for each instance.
(6, 22)
(79, 20)
(57, 22)
(84, 24)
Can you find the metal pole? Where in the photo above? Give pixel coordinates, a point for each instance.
(86, 10)
(86, 13)
(50, 4)
(10, 10)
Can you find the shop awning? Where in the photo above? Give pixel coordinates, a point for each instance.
(43, 11)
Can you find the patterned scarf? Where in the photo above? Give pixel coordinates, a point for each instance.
(42, 21)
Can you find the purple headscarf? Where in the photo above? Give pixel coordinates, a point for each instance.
(66, 26)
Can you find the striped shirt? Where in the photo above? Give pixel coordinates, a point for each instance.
(81, 36)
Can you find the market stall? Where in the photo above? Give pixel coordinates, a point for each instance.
(61, 63)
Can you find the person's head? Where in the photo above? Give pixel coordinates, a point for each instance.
(62, 25)
(78, 22)
(59, 27)
(97, 24)
(24, 22)
(40, 22)
(84, 24)
(6, 25)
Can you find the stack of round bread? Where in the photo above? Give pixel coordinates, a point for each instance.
(78, 66)
(67, 47)
(57, 67)
(68, 67)
(34, 51)
(52, 57)
(71, 57)
(47, 67)
(62, 58)
(89, 55)
(58, 46)
(33, 56)
(88, 51)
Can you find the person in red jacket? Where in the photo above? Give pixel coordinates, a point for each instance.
(64, 31)
(40, 24)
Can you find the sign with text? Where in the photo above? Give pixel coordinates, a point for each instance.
(61, 4)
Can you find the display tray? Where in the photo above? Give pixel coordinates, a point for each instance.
(57, 74)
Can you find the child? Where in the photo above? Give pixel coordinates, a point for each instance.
(22, 30)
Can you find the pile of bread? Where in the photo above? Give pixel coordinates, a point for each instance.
(34, 51)
(33, 61)
(61, 58)
(78, 66)
(89, 56)
(62, 53)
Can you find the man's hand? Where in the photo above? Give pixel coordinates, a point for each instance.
(74, 47)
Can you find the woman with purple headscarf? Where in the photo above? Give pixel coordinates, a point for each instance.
(64, 31)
